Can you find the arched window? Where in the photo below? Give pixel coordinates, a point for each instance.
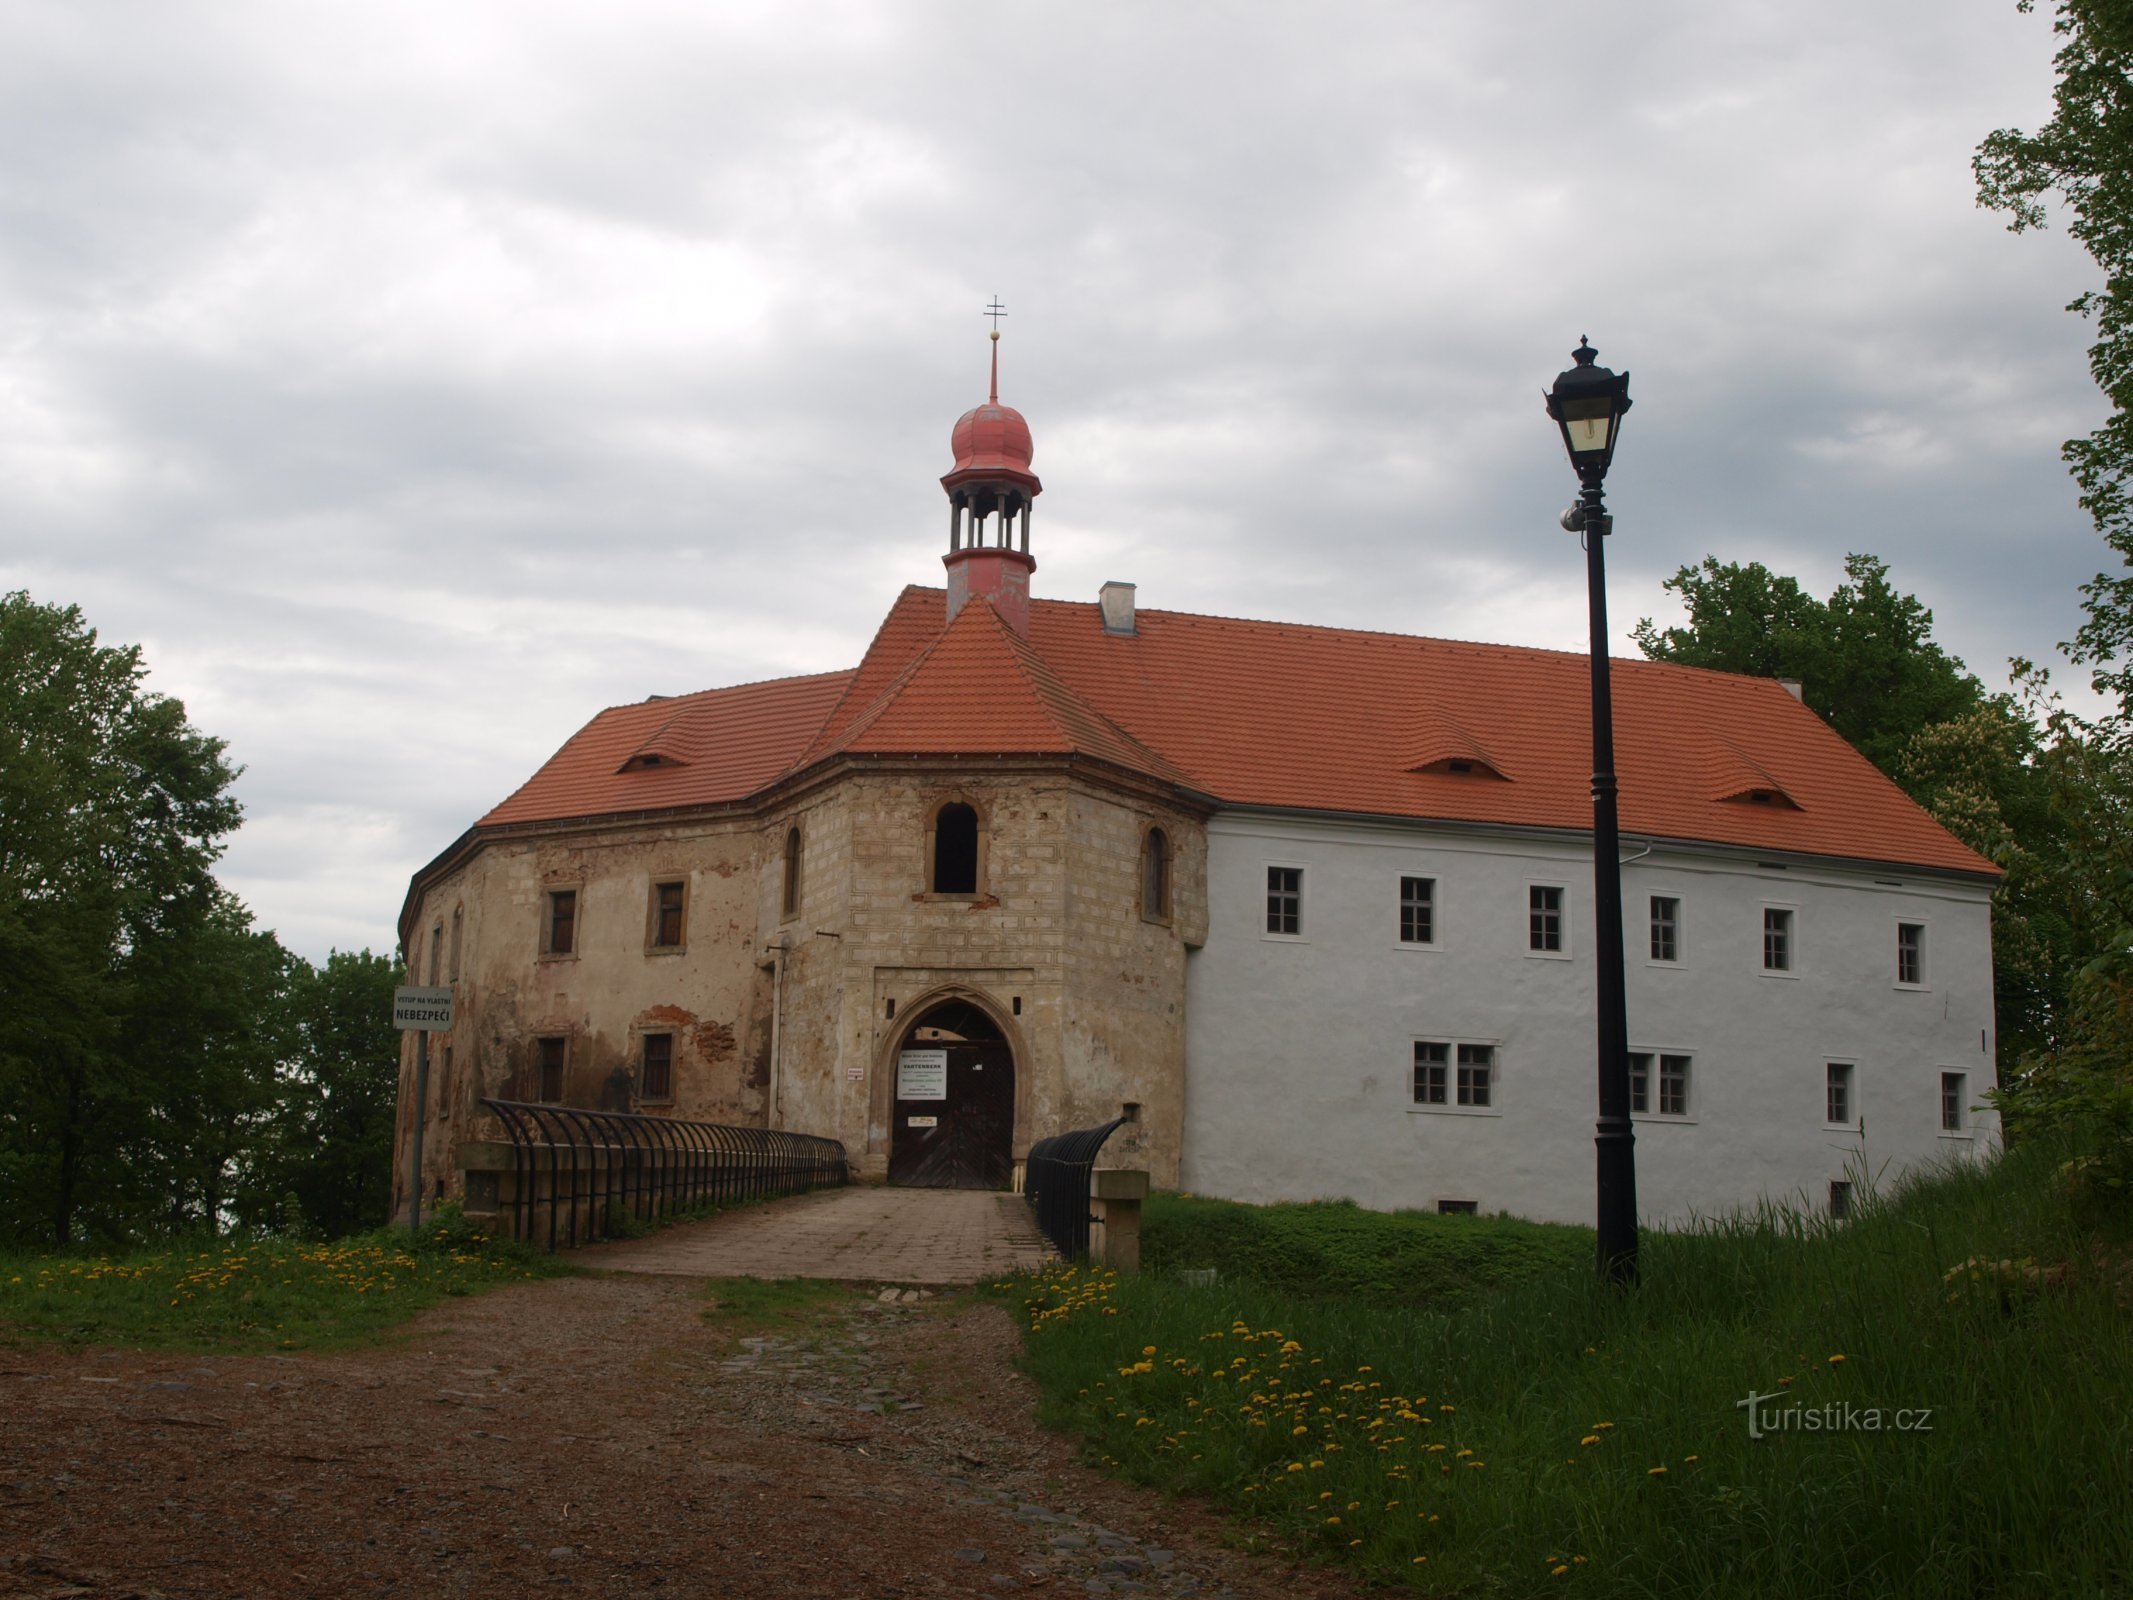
(1155, 875)
(792, 872)
(955, 849)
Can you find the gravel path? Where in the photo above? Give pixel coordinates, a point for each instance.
(585, 1436)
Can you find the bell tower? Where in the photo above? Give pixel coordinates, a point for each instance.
(989, 493)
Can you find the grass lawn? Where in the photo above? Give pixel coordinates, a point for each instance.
(1939, 1419)
(263, 1294)
(1335, 1247)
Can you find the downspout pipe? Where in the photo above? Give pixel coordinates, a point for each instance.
(777, 952)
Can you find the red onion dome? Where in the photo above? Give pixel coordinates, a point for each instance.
(991, 438)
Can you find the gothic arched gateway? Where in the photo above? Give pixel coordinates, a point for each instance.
(953, 1121)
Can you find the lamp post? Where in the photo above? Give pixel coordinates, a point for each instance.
(1587, 403)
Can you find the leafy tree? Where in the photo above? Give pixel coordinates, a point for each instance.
(2084, 154)
(330, 1146)
(1981, 763)
(2082, 1081)
(1865, 657)
(112, 812)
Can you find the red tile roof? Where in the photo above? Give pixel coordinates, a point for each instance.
(716, 746)
(1274, 714)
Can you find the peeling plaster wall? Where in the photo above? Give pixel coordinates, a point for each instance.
(1090, 995)
(602, 998)
(1300, 1050)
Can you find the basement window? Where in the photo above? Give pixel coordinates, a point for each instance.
(1458, 1208)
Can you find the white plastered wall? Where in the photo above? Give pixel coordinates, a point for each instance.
(1299, 1050)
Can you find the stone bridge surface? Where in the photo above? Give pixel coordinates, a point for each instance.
(867, 1233)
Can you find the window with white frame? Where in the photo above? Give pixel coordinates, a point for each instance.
(1837, 1091)
(1477, 1070)
(1544, 918)
(1951, 1101)
(1284, 900)
(1432, 1064)
(1777, 939)
(1673, 1085)
(1450, 1075)
(1911, 953)
(1664, 1094)
(1666, 928)
(1418, 911)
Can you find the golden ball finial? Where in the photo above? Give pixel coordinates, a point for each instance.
(996, 335)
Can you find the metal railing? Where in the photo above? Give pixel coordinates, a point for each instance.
(584, 1168)
(1055, 1182)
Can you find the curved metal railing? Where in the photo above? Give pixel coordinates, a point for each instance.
(1055, 1181)
(580, 1167)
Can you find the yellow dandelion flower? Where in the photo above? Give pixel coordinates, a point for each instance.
(1656, 1472)
(1557, 1571)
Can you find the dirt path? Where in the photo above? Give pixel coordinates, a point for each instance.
(583, 1436)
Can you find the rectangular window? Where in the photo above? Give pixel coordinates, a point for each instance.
(1640, 1082)
(656, 1081)
(1458, 1208)
(1666, 928)
(1544, 918)
(436, 951)
(666, 916)
(562, 921)
(1418, 911)
(457, 920)
(1951, 1102)
(1284, 899)
(1777, 939)
(1838, 1091)
(1910, 952)
(1475, 1062)
(552, 1069)
(1431, 1059)
(1840, 1200)
(1673, 1086)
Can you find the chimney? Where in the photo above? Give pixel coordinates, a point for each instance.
(1116, 599)
(1795, 688)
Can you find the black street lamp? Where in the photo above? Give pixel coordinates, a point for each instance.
(1587, 403)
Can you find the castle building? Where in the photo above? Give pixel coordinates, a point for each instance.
(1310, 905)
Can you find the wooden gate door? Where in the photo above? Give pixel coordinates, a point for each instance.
(965, 1138)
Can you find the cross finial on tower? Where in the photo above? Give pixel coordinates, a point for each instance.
(996, 311)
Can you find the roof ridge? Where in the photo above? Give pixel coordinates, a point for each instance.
(816, 747)
(1046, 678)
(879, 705)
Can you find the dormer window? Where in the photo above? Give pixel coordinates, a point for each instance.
(1461, 767)
(1761, 795)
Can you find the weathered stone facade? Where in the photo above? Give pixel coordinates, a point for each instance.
(794, 1019)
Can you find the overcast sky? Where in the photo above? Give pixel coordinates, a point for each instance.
(412, 381)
